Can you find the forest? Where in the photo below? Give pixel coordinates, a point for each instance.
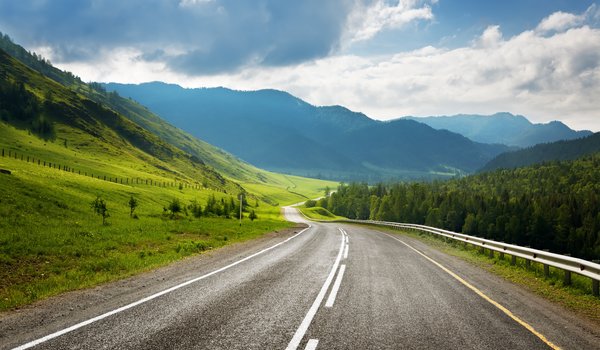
(554, 205)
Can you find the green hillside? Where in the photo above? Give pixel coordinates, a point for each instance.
(224, 163)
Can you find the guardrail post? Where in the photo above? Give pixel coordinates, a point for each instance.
(567, 280)
(491, 254)
(513, 260)
(596, 288)
(546, 270)
(527, 263)
(501, 255)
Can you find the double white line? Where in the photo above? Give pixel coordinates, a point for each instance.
(301, 331)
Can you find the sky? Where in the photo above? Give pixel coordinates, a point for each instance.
(387, 59)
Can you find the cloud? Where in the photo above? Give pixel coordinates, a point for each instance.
(368, 19)
(545, 77)
(560, 21)
(203, 36)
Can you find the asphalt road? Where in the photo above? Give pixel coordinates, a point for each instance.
(330, 286)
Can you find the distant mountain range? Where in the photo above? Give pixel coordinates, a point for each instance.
(559, 150)
(503, 128)
(277, 131)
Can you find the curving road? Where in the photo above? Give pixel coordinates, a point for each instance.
(330, 286)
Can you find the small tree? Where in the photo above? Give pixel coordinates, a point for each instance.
(195, 208)
(252, 216)
(99, 207)
(174, 207)
(133, 203)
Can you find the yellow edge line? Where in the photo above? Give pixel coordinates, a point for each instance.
(485, 297)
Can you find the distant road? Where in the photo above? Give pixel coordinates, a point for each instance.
(330, 286)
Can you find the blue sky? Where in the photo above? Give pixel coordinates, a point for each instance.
(539, 58)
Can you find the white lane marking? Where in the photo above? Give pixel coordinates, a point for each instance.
(312, 344)
(346, 251)
(481, 294)
(297, 338)
(148, 298)
(336, 287)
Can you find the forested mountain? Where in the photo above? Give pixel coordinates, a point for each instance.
(503, 128)
(553, 206)
(222, 161)
(560, 150)
(280, 132)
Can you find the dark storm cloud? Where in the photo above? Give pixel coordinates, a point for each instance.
(209, 36)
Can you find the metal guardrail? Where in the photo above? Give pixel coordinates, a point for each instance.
(566, 263)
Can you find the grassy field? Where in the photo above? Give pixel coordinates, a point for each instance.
(51, 241)
(576, 297)
(289, 189)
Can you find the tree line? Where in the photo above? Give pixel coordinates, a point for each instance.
(554, 206)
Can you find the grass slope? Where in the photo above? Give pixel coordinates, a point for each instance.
(50, 240)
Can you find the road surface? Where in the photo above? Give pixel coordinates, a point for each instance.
(329, 286)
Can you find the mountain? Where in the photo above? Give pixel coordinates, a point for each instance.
(560, 150)
(281, 132)
(503, 128)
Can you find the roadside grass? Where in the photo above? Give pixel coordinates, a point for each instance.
(576, 297)
(318, 213)
(51, 241)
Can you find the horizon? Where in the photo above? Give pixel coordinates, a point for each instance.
(384, 59)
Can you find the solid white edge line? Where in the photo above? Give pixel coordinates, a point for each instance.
(481, 294)
(346, 251)
(297, 338)
(148, 298)
(312, 344)
(336, 287)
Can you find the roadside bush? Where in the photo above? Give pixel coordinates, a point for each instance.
(310, 203)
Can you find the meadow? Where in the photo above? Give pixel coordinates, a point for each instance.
(51, 241)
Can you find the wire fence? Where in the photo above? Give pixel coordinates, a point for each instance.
(123, 180)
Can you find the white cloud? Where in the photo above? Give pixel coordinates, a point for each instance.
(545, 76)
(559, 21)
(491, 37)
(369, 19)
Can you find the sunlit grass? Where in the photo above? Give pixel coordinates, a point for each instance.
(51, 241)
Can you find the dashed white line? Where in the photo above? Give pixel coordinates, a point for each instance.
(148, 298)
(297, 338)
(346, 251)
(312, 344)
(336, 287)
